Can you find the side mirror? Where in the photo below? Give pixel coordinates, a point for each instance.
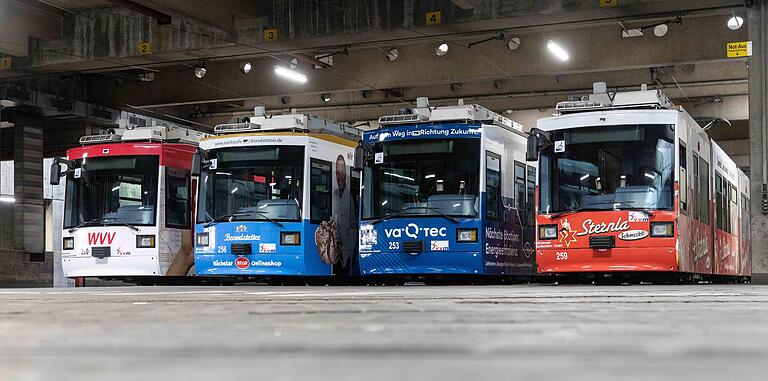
(532, 151)
(55, 173)
(197, 165)
(537, 141)
(359, 158)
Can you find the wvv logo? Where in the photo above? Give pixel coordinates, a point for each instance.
(101, 238)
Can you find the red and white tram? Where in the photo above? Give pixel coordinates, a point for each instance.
(128, 203)
(630, 183)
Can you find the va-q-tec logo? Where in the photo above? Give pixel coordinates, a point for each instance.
(412, 231)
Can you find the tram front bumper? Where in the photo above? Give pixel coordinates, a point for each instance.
(659, 259)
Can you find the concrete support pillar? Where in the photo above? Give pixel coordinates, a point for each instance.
(758, 133)
(29, 220)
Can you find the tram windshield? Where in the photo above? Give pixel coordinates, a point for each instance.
(608, 168)
(422, 178)
(114, 190)
(251, 184)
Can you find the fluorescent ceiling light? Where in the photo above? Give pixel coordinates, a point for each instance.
(290, 74)
(7, 199)
(557, 51)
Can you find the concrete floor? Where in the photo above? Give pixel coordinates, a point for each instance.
(385, 333)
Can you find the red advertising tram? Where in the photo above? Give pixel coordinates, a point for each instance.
(630, 183)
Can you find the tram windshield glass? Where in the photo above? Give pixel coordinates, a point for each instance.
(112, 191)
(422, 178)
(251, 184)
(608, 168)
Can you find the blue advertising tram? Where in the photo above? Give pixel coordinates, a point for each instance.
(277, 196)
(446, 190)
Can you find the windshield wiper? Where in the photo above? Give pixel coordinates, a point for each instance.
(86, 223)
(225, 217)
(572, 210)
(564, 212)
(613, 203)
(103, 219)
(266, 217)
(400, 213)
(631, 207)
(229, 217)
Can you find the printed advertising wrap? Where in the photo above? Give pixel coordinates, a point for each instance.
(261, 239)
(634, 248)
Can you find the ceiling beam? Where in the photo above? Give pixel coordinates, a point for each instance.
(162, 18)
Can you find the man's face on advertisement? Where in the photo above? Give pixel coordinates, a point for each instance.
(341, 174)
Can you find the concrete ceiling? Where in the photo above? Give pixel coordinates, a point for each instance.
(74, 4)
(97, 53)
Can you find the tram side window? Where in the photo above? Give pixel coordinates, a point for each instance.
(727, 206)
(493, 186)
(683, 179)
(695, 188)
(721, 201)
(520, 187)
(734, 207)
(704, 203)
(177, 201)
(320, 184)
(745, 220)
(529, 210)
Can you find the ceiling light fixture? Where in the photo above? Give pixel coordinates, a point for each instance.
(325, 97)
(735, 23)
(200, 70)
(557, 51)
(245, 67)
(441, 49)
(290, 74)
(513, 43)
(660, 30)
(393, 54)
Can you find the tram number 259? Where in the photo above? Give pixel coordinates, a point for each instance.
(561, 256)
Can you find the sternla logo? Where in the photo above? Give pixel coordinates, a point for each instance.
(101, 238)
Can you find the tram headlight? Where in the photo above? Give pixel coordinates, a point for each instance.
(466, 235)
(145, 241)
(68, 243)
(547, 231)
(662, 229)
(290, 238)
(202, 239)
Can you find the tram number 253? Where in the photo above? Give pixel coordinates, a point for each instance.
(561, 256)
(394, 245)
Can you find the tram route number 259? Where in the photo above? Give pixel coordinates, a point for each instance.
(561, 256)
